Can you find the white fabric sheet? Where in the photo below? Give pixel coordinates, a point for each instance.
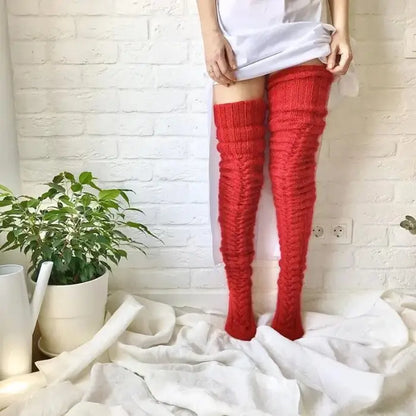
(266, 36)
(179, 361)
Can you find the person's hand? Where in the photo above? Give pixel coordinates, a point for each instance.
(219, 59)
(341, 54)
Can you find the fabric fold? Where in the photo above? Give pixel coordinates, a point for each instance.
(360, 362)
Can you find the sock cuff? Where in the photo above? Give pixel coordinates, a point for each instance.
(240, 113)
(300, 72)
(302, 89)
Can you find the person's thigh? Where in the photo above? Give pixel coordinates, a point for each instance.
(315, 61)
(241, 91)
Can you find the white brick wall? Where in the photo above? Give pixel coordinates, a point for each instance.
(117, 87)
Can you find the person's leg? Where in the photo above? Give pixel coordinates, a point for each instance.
(239, 114)
(297, 115)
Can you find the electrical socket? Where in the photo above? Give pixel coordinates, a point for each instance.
(339, 231)
(410, 43)
(331, 231)
(318, 231)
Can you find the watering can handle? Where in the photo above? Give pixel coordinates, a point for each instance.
(40, 289)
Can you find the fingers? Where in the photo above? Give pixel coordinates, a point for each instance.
(232, 62)
(332, 58)
(219, 76)
(344, 63)
(226, 70)
(339, 59)
(221, 69)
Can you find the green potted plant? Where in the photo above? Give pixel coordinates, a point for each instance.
(79, 227)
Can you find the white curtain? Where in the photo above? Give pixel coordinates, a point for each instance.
(9, 159)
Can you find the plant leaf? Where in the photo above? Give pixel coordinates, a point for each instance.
(85, 177)
(6, 189)
(108, 194)
(76, 187)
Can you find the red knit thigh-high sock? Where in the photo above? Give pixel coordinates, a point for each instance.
(298, 107)
(241, 144)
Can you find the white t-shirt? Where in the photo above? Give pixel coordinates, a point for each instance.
(266, 36)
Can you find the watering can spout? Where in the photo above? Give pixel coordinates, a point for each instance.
(40, 289)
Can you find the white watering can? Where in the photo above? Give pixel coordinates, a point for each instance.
(18, 317)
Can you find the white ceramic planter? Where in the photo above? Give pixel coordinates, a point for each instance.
(72, 314)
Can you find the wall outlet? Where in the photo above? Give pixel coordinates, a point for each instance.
(410, 43)
(331, 231)
(318, 231)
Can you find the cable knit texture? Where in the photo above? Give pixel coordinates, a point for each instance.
(297, 111)
(241, 145)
